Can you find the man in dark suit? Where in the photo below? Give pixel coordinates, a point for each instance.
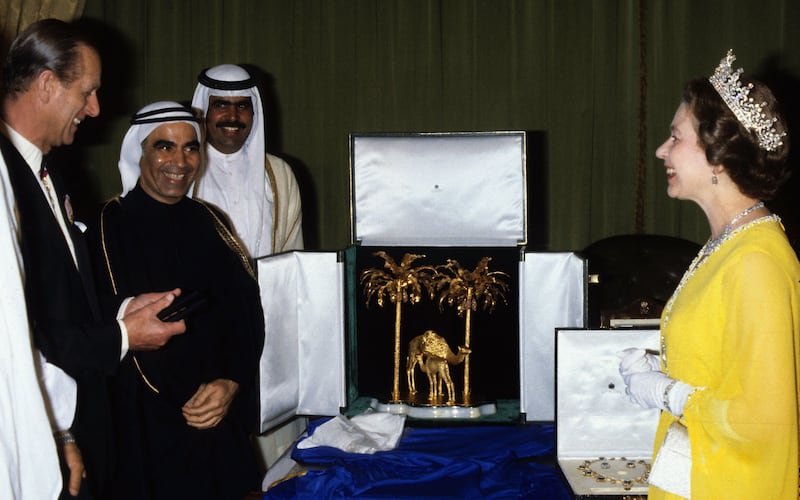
(50, 80)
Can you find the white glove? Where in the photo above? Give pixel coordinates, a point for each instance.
(636, 360)
(653, 389)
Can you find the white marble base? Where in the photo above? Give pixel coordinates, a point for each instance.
(434, 412)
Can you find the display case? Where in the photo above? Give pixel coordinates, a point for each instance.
(604, 442)
(431, 213)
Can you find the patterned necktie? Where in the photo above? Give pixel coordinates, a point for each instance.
(52, 199)
(44, 175)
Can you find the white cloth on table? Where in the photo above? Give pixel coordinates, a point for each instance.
(365, 433)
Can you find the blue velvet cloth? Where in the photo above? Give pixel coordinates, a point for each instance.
(442, 462)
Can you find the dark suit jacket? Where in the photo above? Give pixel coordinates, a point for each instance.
(64, 312)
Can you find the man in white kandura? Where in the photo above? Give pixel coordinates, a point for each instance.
(257, 191)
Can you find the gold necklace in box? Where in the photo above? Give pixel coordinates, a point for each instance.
(617, 471)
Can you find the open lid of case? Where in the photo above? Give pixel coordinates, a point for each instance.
(302, 365)
(594, 416)
(438, 189)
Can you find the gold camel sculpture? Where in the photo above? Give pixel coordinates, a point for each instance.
(434, 357)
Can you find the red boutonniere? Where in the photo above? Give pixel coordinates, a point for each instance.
(68, 209)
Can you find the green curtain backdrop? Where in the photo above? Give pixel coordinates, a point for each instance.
(570, 72)
(16, 15)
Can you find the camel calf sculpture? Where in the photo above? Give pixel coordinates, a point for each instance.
(434, 357)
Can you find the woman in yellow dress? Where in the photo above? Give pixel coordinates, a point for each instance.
(730, 333)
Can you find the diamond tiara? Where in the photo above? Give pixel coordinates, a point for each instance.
(737, 97)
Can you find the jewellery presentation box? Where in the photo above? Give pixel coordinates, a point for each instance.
(602, 439)
(435, 196)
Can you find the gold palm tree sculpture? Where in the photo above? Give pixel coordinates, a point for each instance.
(464, 289)
(397, 284)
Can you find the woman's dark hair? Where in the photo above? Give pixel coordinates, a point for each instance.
(757, 172)
(49, 44)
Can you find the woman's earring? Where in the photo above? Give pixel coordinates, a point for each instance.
(714, 179)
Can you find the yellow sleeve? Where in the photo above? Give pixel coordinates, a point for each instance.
(750, 415)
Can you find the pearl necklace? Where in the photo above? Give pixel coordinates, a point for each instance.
(710, 247)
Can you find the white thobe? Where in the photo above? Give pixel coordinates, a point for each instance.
(266, 215)
(28, 457)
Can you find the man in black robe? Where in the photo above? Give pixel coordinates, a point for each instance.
(184, 412)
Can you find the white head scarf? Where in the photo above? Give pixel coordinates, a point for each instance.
(253, 220)
(230, 80)
(143, 123)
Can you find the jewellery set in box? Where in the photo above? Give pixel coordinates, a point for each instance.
(620, 471)
(604, 443)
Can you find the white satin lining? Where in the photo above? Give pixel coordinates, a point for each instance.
(552, 296)
(302, 364)
(439, 189)
(594, 417)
